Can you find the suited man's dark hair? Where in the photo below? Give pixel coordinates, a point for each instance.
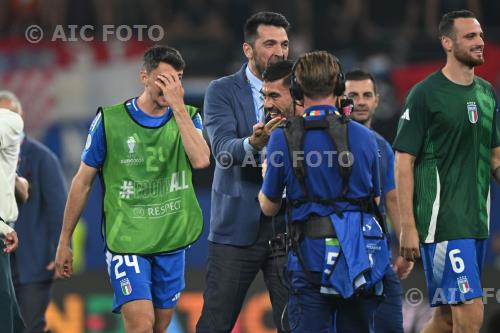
(263, 18)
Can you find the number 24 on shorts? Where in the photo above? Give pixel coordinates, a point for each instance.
(129, 260)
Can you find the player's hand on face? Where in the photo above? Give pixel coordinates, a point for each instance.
(64, 262)
(258, 139)
(262, 132)
(171, 86)
(11, 242)
(403, 267)
(273, 123)
(409, 243)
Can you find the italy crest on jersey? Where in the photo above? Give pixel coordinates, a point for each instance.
(463, 284)
(472, 112)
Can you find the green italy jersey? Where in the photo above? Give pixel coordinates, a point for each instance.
(149, 202)
(450, 129)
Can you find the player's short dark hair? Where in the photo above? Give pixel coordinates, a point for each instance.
(263, 18)
(361, 75)
(277, 71)
(447, 24)
(162, 53)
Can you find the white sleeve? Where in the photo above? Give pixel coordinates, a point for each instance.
(11, 127)
(4, 229)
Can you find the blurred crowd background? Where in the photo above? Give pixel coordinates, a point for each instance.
(404, 31)
(62, 81)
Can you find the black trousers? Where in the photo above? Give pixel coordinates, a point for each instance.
(231, 270)
(33, 299)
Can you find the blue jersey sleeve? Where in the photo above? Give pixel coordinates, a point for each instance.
(375, 166)
(390, 183)
(274, 180)
(95, 148)
(197, 121)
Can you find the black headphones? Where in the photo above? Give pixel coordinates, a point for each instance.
(296, 89)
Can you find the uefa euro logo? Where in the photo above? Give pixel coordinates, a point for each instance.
(131, 144)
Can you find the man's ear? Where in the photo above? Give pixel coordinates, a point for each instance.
(447, 43)
(377, 99)
(248, 50)
(143, 76)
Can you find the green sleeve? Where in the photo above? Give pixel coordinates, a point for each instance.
(495, 140)
(496, 129)
(413, 123)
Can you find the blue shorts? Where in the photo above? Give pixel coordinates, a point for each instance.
(453, 270)
(159, 278)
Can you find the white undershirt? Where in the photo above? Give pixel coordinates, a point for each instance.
(11, 130)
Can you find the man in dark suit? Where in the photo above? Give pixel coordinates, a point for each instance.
(38, 227)
(239, 233)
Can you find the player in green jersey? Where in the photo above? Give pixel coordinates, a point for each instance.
(448, 141)
(143, 150)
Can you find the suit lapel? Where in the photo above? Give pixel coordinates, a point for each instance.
(245, 98)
